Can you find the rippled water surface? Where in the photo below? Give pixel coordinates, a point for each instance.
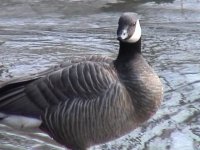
(36, 34)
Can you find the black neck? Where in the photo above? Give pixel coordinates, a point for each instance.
(128, 51)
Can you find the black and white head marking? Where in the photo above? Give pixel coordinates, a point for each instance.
(129, 29)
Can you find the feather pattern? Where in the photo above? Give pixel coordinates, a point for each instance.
(89, 121)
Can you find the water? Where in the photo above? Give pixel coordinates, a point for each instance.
(36, 34)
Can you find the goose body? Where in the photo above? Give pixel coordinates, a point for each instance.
(87, 101)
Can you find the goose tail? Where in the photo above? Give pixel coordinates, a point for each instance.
(16, 108)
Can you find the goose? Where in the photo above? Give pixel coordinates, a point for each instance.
(87, 101)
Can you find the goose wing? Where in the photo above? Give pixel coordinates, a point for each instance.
(84, 79)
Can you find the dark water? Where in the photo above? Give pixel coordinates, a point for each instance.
(36, 34)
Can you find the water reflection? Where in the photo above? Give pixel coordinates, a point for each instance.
(48, 32)
(130, 5)
(160, 1)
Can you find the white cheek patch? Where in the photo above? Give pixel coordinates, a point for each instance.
(136, 35)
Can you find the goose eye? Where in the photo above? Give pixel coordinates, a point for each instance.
(133, 24)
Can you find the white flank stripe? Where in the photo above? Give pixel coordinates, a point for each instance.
(21, 122)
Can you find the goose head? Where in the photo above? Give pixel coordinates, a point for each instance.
(129, 29)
